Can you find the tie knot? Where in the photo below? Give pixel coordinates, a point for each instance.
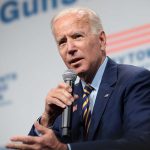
(88, 89)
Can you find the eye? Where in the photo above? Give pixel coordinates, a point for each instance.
(77, 36)
(62, 42)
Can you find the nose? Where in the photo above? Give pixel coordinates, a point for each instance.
(71, 47)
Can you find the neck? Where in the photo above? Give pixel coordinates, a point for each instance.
(88, 77)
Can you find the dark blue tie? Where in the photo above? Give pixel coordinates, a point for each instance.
(86, 112)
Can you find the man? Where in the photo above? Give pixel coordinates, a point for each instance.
(118, 104)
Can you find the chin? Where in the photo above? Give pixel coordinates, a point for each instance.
(80, 72)
(80, 69)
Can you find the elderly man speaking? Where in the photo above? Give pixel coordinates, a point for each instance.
(111, 102)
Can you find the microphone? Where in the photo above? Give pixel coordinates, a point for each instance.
(69, 77)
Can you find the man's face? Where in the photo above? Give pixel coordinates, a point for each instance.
(79, 48)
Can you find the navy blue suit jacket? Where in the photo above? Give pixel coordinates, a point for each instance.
(121, 114)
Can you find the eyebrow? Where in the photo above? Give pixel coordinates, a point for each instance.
(80, 32)
(59, 39)
(71, 35)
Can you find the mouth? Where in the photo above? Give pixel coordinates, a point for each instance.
(75, 61)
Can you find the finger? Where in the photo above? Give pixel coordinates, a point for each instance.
(62, 96)
(66, 86)
(40, 128)
(59, 93)
(14, 146)
(24, 139)
(76, 96)
(67, 94)
(20, 146)
(56, 102)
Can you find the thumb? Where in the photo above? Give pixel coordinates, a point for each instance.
(40, 128)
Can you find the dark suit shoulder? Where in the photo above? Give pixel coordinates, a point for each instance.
(130, 72)
(124, 68)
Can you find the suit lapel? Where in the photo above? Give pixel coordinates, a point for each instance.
(104, 93)
(79, 91)
(76, 126)
(77, 105)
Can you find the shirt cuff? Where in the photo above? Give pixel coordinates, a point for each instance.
(35, 130)
(69, 147)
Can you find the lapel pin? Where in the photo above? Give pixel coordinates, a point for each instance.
(106, 95)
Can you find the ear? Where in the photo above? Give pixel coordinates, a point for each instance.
(102, 38)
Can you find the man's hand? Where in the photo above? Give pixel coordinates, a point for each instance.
(56, 100)
(47, 141)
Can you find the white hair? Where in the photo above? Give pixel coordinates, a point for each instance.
(95, 22)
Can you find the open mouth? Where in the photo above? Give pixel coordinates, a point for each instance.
(75, 60)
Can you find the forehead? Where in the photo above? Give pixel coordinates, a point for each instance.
(71, 23)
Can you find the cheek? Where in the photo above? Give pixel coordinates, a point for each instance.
(92, 55)
(62, 56)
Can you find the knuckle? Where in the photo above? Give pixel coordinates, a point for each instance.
(60, 85)
(38, 147)
(26, 140)
(67, 87)
(63, 85)
(64, 92)
(51, 91)
(70, 96)
(50, 133)
(40, 141)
